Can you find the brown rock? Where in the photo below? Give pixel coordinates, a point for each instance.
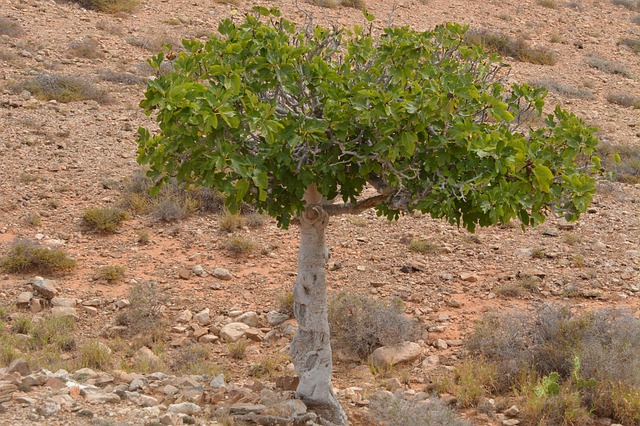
(395, 354)
(45, 287)
(287, 383)
(19, 365)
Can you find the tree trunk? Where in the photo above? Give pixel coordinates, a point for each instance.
(311, 348)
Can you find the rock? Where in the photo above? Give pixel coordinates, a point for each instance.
(64, 311)
(184, 274)
(287, 383)
(144, 353)
(222, 274)
(453, 303)
(188, 408)
(249, 318)
(468, 277)
(102, 398)
(275, 318)
(392, 384)
(50, 408)
(243, 409)
(217, 382)
(234, 331)
(387, 356)
(254, 334)
(208, 338)
(440, 344)
(45, 287)
(448, 399)
(92, 302)
(198, 270)
(19, 365)
(23, 299)
(413, 266)
(512, 411)
(510, 422)
(93, 311)
(123, 303)
(141, 400)
(37, 305)
(184, 317)
(7, 389)
(203, 317)
(288, 409)
(430, 362)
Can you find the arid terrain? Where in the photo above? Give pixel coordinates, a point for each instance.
(59, 159)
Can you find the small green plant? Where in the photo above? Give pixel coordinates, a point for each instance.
(62, 88)
(549, 385)
(33, 219)
(472, 380)
(96, 355)
(26, 256)
(144, 236)
(269, 367)
(22, 325)
(54, 332)
(239, 245)
(231, 222)
(238, 349)
(538, 253)
(110, 273)
(105, 219)
(424, 247)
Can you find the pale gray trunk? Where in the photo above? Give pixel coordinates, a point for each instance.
(311, 348)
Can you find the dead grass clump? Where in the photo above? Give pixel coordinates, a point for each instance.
(397, 410)
(610, 67)
(125, 78)
(359, 325)
(88, 48)
(10, 28)
(62, 88)
(144, 313)
(286, 303)
(238, 349)
(105, 219)
(108, 6)
(424, 247)
(356, 4)
(563, 89)
(26, 256)
(110, 273)
(471, 381)
(231, 222)
(233, 2)
(564, 362)
(632, 43)
(621, 160)
(195, 359)
(629, 4)
(239, 245)
(624, 99)
(96, 355)
(517, 48)
(53, 332)
(550, 4)
(154, 43)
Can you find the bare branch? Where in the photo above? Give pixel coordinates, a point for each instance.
(354, 208)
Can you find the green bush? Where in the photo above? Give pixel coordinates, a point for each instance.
(26, 256)
(359, 325)
(104, 219)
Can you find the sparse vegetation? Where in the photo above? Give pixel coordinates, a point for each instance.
(26, 256)
(356, 4)
(285, 302)
(233, 2)
(230, 222)
(105, 219)
(195, 359)
(399, 410)
(563, 89)
(623, 161)
(238, 349)
(107, 6)
(550, 4)
(626, 100)
(605, 65)
(424, 247)
(22, 325)
(144, 236)
(565, 365)
(110, 273)
(144, 314)
(256, 220)
(62, 88)
(629, 4)
(125, 78)
(88, 48)
(269, 367)
(360, 324)
(154, 43)
(632, 43)
(54, 333)
(96, 355)
(471, 381)
(517, 288)
(517, 48)
(239, 245)
(33, 219)
(10, 27)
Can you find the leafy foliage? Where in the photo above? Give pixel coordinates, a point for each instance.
(264, 110)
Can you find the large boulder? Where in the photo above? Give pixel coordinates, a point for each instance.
(387, 356)
(234, 331)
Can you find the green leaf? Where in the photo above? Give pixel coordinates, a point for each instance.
(544, 177)
(242, 187)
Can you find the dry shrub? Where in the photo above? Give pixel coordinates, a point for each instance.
(88, 48)
(517, 48)
(626, 100)
(10, 28)
(563, 89)
(356, 4)
(104, 219)
(629, 4)
(359, 325)
(94, 354)
(632, 43)
(125, 78)
(610, 67)
(62, 88)
(397, 410)
(144, 314)
(26, 256)
(626, 170)
(107, 6)
(110, 273)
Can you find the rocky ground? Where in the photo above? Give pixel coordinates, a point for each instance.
(59, 159)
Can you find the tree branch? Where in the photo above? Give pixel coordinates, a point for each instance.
(354, 208)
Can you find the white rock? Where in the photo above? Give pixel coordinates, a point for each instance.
(234, 331)
(249, 318)
(188, 408)
(395, 354)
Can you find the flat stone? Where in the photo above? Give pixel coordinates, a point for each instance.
(37, 305)
(92, 302)
(45, 287)
(440, 344)
(512, 411)
(102, 398)
(430, 362)
(184, 274)
(222, 274)
(144, 353)
(254, 334)
(208, 338)
(184, 317)
(386, 356)
(288, 409)
(468, 277)
(188, 408)
(91, 310)
(64, 302)
(123, 303)
(19, 365)
(234, 331)
(275, 318)
(63, 311)
(203, 317)
(217, 382)
(242, 409)
(23, 299)
(141, 400)
(249, 318)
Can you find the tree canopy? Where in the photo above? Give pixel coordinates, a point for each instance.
(264, 109)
